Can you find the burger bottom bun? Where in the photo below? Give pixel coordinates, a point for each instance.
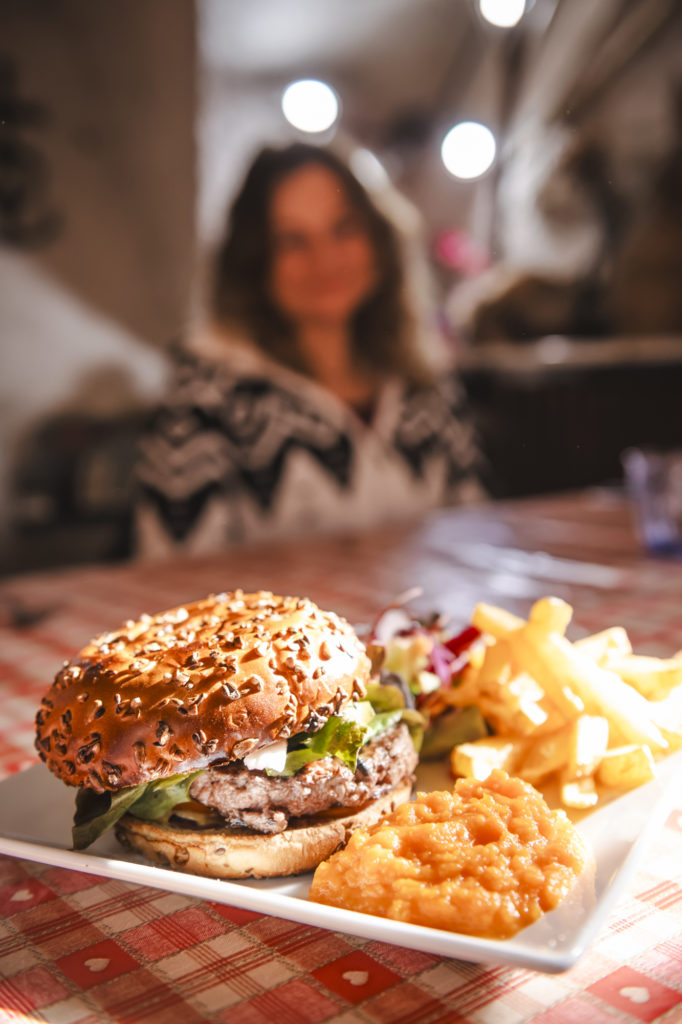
(235, 854)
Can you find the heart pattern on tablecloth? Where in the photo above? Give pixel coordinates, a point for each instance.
(21, 896)
(635, 993)
(97, 964)
(356, 977)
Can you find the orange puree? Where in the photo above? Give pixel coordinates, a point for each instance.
(487, 860)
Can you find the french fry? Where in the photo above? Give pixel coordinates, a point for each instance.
(496, 668)
(579, 794)
(476, 760)
(530, 646)
(599, 646)
(600, 690)
(528, 714)
(545, 756)
(495, 621)
(667, 714)
(551, 614)
(654, 678)
(553, 718)
(579, 716)
(466, 691)
(588, 741)
(626, 767)
(514, 707)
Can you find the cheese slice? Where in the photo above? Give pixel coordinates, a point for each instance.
(273, 757)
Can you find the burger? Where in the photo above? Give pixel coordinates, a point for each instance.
(238, 736)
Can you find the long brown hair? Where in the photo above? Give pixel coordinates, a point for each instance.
(384, 328)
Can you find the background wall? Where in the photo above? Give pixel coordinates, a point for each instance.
(104, 96)
(97, 224)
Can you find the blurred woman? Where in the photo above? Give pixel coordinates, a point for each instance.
(312, 399)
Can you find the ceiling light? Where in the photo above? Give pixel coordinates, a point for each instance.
(310, 105)
(468, 150)
(503, 13)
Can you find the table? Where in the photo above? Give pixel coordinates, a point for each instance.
(80, 949)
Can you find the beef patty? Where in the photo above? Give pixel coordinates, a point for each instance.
(254, 800)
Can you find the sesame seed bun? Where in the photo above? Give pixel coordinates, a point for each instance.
(209, 681)
(233, 854)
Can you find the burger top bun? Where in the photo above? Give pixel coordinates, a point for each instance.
(205, 682)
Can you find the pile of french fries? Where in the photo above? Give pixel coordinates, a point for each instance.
(590, 715)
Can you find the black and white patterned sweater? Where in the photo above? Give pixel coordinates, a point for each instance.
(245, 449)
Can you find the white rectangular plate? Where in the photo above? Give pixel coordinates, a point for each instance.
(35, 824)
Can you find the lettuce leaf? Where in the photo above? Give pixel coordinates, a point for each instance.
(159, 798)
(343, 735)
(459, 725)
(96, 813)
(385, 696)
(338, 737)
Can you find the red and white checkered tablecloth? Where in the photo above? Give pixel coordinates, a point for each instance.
(81, 949)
